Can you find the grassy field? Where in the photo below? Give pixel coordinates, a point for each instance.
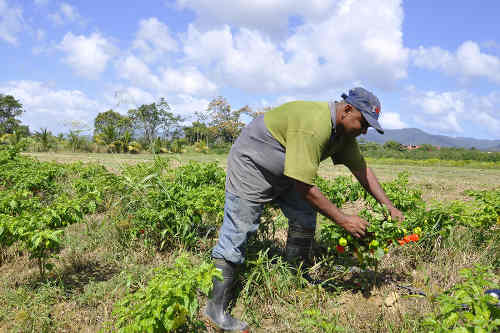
(95, 268)
(437, 182)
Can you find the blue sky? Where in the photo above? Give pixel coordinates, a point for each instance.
(434, 65)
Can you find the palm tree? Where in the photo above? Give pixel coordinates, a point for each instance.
(43, 137)
(74, 140)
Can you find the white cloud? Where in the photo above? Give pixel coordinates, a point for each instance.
(11, 22)
(391, 120)
(124, 98)
(270, 17)
(331, 53)
(65, 14)
(137, 72)
(467, 62)
(187, 105)
(184, 80)
(434, 103)
(451, 111)
(153, 40)
(88, 56)
(438, 111)
(51, 108)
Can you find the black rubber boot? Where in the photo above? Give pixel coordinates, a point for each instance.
(298, 249)
(299, 244)
(218, 303)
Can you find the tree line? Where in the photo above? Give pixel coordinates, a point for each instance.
(396, 150)
(150, 127)
(156, 128)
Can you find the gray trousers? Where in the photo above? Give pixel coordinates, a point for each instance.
(241, 219)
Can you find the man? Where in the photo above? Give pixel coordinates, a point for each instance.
(276, 158)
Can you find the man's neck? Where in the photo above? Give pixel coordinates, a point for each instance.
(338, 122)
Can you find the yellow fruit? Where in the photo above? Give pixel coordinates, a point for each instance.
(342, 241)
(417, 231)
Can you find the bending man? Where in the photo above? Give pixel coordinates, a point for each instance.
(276, 158)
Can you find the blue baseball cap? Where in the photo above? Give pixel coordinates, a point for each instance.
(367, 103)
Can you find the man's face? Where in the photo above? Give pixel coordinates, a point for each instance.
(354, 122)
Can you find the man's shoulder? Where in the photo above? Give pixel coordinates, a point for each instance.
(304, 104)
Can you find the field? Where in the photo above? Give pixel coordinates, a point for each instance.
(112, 252)
(436, 182)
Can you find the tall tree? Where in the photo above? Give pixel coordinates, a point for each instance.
(75, 138)
(10, 108)
(196, 132)
(150, 118)
(225, 122)
(169, 121)
(110, 126)
(44, 137)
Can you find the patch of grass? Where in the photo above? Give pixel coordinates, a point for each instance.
(97, 267)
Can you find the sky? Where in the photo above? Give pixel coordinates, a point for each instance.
(434, 65)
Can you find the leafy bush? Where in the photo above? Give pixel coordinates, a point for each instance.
(169, 302)
(465, 307)
(173, 206)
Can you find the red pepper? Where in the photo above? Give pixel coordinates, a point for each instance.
(414, 238)
(340, 249)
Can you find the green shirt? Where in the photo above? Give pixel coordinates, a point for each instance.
(305, 130)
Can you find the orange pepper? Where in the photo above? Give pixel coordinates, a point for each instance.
(414, 237)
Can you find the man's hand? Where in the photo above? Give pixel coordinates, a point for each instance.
(396, 214)
(354, 225)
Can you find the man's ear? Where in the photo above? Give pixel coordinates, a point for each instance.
(347, 110)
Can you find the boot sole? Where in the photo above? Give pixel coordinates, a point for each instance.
(245, 330)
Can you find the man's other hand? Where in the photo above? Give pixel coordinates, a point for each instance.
(396, 215)
(354, 225)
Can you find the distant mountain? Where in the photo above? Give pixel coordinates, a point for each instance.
(415, 136)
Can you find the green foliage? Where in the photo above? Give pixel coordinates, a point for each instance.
(150, 118)
(314, 321)
(111, 125)
(10, 109)
(437, 220)
(392, 150)
(172, 206)
(266, 277)
(465, 307)
(169, 302)
(393, 145)
(42, 198)
(45, 139)
(134, 147)
(41, 244)
(226, 124)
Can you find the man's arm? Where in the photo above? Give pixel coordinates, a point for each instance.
(369, 181)
(353, 224)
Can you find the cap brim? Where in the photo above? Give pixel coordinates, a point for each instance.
(373, 122)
